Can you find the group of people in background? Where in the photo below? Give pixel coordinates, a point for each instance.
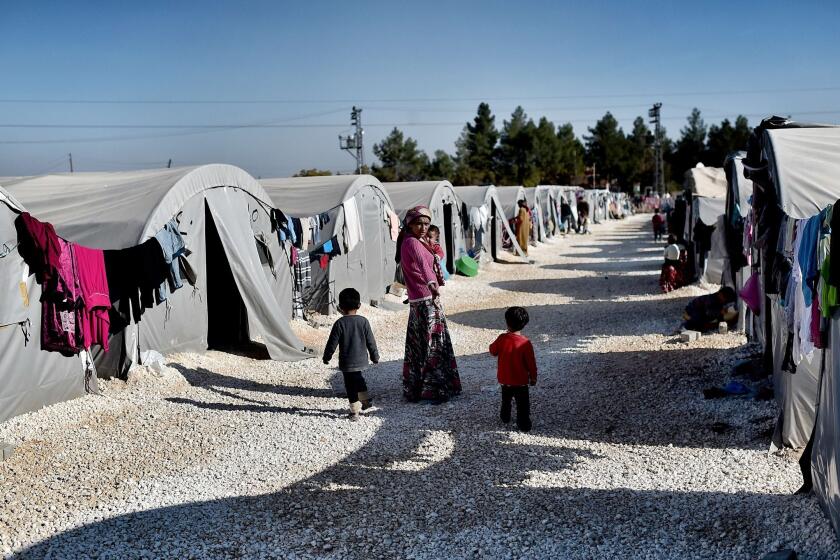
(429, 372)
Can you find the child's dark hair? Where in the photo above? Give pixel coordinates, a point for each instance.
(516, 318)
(727, 293)
(434, 229)
(349, 299)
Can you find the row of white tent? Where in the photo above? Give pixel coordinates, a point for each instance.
(244, 284)
(791, 170)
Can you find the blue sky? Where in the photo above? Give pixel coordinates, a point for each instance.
(423, 62)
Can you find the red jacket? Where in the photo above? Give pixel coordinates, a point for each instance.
(517, 363)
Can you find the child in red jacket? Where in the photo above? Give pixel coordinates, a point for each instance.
(517, 367)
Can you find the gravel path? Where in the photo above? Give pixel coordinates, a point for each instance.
(225, 456)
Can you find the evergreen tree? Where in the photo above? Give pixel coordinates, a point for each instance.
(725, 139)
(516, 158)
(606, 148)
(314, 172)
(570, 152)
(441, 167)
(640, 155)
(476, 149)
(546, 149)
(690, 148)
(400, 159)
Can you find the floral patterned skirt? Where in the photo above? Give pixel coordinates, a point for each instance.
(429, 369)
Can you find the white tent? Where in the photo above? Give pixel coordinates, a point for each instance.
(793, 167)
(706, 181)
(358, 211)
(29, 378)
(487, 221)
(242, 281)
(447, 212)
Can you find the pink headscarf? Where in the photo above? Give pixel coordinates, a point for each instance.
(416, 213)
(410, 217)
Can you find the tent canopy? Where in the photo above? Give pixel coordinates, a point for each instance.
(509, 196)
(114, 210)
(709, 209)
(474, 196)
(706, 181)
(805, 163)
(303, 197)
(405, 196)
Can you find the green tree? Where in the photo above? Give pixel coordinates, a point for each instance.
(312, 173)
(546, 148)
(570, 152)
(441, 167)
(476, 149)
(606, 148)
(690, 148)
(400, 159)
(725, 139)
(516, 160)
(640, 163)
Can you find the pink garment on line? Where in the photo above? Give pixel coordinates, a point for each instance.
(93, 282)
(417, 264)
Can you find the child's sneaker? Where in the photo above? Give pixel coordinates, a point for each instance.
(353, 416)
(368, 404)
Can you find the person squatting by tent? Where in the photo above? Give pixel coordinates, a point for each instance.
(430, 371)
(704, 313)
(672, 275)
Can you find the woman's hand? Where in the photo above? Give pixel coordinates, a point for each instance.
(433, 287)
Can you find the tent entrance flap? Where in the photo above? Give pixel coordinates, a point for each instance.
(449, 237)
(227, 318)
(264, 324)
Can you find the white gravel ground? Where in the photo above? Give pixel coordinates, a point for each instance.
(224, 456)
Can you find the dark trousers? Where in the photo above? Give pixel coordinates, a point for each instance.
(520, 394)
(354, 384)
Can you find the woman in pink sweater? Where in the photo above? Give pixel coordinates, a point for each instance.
(429, 369)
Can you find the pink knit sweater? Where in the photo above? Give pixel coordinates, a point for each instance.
(418, 268)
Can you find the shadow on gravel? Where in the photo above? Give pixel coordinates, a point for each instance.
(582, 319)
(263, 408)
(201, 377)
(427, 507)
(613, 266)
(652, 398)
(586, 287)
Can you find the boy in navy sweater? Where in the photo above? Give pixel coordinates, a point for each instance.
(353, 337)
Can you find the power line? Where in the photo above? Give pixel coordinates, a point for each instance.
(408, 99)
(317, 125)
(202, 129)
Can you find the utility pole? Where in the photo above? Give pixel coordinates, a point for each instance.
(658, 170)
(71, 162)
(169, 165)
(353, 144)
